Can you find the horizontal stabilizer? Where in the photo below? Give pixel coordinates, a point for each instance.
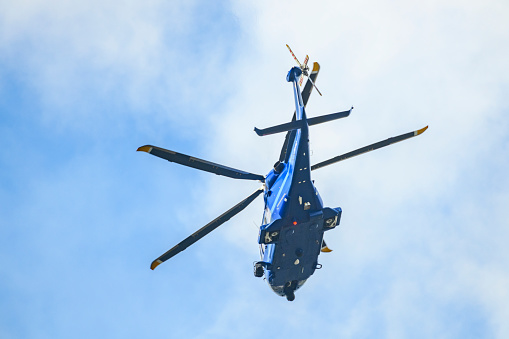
(328, 117)
(200, 164)
(369, 148)
(289, 126)
(279, 128)
(206, 229)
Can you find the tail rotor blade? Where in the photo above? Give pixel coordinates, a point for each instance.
(301, 79)
(200, 164)
(206, 229)
(300, 65)
(306, 62)
(369, 148)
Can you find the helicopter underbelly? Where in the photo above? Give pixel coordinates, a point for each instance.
(294, 257)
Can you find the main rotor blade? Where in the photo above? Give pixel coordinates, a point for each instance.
(369, 148)
(206, 229)
(200, 164)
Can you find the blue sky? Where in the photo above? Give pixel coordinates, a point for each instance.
(421, 251)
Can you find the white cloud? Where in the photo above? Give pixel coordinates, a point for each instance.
(96, 62)
(402, 66)
(421, 244)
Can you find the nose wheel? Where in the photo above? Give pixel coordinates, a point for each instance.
(290, 290)
(290, 296)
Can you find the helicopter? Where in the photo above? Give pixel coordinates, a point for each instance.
(294, 217)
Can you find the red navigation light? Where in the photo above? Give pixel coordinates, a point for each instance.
(294, 223)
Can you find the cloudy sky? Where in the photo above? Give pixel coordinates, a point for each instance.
(422, 248)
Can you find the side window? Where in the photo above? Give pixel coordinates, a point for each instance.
(266, 216)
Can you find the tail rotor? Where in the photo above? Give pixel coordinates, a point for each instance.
(304, 68)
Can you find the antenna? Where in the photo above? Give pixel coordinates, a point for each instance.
(305, 70)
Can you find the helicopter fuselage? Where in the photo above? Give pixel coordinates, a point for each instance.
(294, 218)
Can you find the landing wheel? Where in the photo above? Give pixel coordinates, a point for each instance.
(278, 167)
(258, 270)
(290, 296)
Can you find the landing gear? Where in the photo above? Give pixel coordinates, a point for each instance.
(289, 290)
(258, 269)
(278, 167)
(290, 296)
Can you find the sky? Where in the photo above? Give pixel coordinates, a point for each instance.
(421, 251)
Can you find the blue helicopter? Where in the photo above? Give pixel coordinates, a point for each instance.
(294, 218)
